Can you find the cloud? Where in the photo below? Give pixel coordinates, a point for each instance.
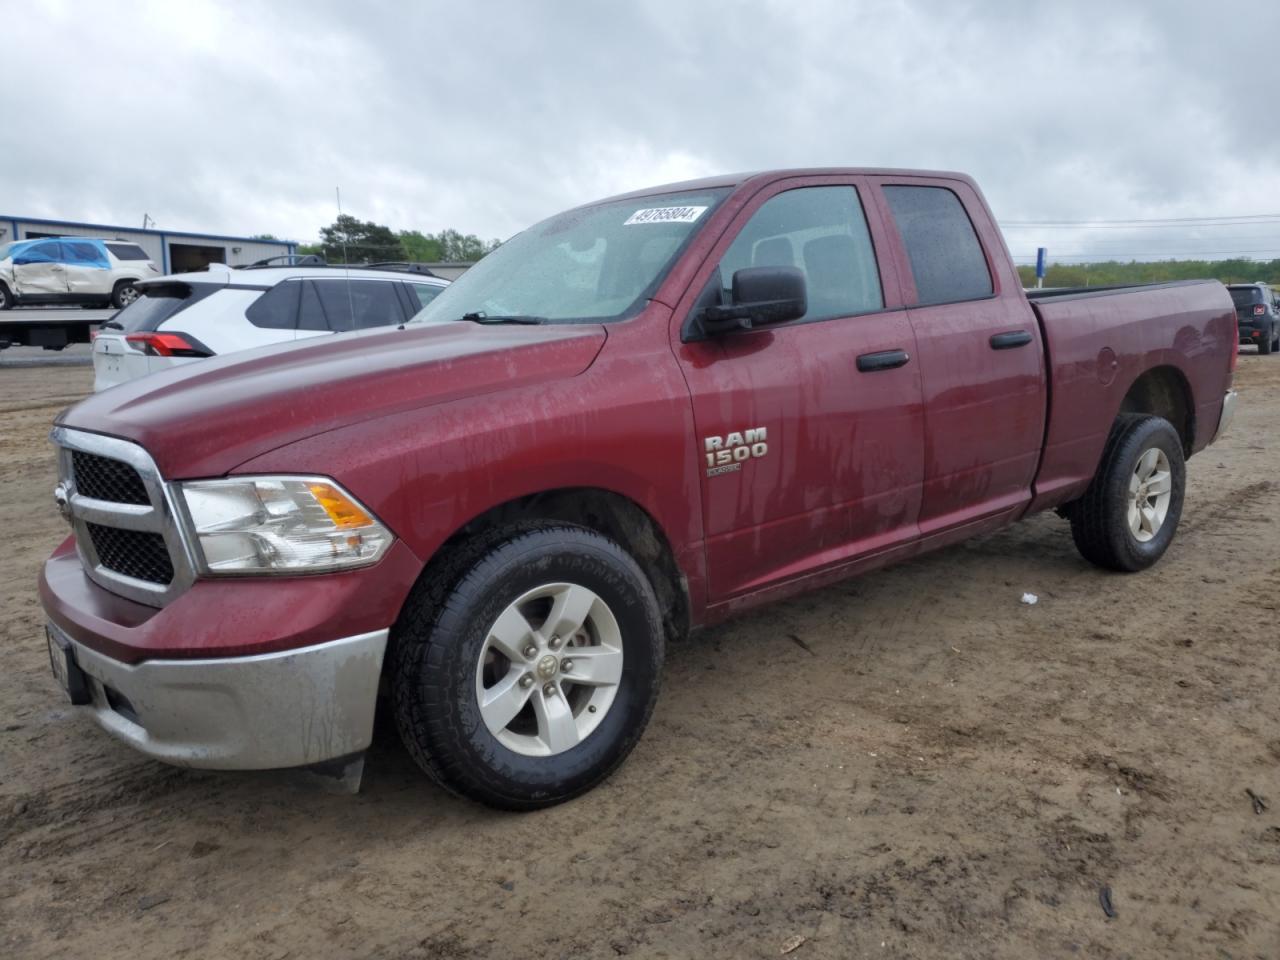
(486, 116)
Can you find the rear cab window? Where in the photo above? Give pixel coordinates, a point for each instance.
(947, 261)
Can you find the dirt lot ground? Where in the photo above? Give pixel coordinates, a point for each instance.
(913, 764)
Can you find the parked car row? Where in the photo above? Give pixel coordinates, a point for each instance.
(73, 270)
(1257, 315)
(182, 318)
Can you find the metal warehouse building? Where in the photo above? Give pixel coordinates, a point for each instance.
(174, 250)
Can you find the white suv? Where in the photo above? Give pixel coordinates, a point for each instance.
(80, 270)
(186, 317)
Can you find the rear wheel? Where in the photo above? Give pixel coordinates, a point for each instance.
(1264, 345)
(123, 294)
(1127, 518)
(536, 675)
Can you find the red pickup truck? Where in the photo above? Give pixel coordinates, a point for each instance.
(634, 418)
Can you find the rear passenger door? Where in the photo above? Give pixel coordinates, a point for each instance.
(88, 271)
(981, 359)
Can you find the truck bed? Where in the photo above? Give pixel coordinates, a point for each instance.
(1099, 341)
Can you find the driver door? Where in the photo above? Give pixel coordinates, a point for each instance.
(38, 270)
(811, 442)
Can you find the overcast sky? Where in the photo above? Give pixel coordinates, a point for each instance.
(486, 116)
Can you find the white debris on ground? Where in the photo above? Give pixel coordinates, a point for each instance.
(1030, 598)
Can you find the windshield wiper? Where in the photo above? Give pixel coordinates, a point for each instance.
(481, 317)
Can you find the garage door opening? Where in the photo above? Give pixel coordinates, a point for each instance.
(186, 257)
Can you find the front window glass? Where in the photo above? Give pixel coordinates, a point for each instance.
(822, 231)
(594, 264)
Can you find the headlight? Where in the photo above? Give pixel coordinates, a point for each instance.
(281, 525)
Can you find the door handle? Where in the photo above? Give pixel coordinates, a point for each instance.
(884, 360)
(1007, 341)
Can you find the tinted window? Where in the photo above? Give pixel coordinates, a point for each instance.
(357, 304)
(156, 305)
(83, 253)
(311, 313)
(946, 258)
(1243, 296)
(822, 231)
(127, 251)
(277, 309)
(425, 292)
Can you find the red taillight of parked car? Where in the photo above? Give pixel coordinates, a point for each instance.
(167, 345)
(1259, 310)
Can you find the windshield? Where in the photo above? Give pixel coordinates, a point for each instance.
(594, 264)
(1243, 296)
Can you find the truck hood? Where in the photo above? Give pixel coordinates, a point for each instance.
(204, 419)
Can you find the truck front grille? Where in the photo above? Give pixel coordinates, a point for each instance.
(132, 553)
(105, 479)
(127, 534)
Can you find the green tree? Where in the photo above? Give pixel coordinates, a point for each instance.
(348, 240)
(264, 236)
(420, 248)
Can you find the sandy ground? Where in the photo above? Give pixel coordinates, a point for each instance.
(913, 764)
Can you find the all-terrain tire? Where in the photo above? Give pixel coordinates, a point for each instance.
(439, 640)
(1100, 519)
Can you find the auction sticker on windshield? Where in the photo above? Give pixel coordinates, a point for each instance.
(666, 215)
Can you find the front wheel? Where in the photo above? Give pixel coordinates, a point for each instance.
(534, 678)
(1127, 518)
(6, 298)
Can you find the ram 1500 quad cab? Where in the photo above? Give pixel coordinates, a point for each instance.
(634, 418)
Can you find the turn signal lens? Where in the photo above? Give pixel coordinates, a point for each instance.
(342, 510)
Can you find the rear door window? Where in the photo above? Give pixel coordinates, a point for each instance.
(83, 253)
(128, 251)
(947, 261)
(358, 304)
(277, 309)
(1244, 296)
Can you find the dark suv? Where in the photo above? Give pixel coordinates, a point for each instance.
(1257, 315)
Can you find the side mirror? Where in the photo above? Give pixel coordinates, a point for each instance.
(760, 295)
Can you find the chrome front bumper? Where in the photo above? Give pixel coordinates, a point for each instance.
(290, 709)
(1228, 412)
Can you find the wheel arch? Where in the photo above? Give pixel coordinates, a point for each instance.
(607, 512)
(1164, 391)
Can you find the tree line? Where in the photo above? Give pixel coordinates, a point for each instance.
(350, 240)
(1112, 272)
